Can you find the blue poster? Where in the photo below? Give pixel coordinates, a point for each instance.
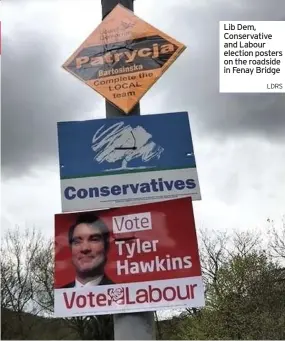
(126, 161)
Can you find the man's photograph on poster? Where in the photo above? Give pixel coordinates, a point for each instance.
(89, 244)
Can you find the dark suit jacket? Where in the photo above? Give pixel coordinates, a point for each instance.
(104, 281)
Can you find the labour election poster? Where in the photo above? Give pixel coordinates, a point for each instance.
(129, 259)
(123, 57)
(126, 161)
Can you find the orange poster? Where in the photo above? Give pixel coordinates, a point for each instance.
(123, 57)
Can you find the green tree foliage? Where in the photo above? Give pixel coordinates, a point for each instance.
(245, 292)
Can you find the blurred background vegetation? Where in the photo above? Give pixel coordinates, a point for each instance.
(243, 274)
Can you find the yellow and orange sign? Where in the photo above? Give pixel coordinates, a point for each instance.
(123, 57)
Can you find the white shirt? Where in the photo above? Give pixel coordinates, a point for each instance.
(94, 282)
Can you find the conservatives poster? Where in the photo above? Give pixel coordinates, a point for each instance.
(122, 161)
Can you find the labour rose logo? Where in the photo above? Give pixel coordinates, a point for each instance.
(116, 294)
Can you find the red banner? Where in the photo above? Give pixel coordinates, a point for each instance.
(127, 259)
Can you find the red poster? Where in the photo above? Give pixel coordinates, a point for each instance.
(127, 259)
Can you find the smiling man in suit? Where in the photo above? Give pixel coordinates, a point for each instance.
(89, 243)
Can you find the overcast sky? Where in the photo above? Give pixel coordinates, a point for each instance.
(239, 139)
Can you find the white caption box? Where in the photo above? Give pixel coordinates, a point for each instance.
(132, 223)
(252, 56)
